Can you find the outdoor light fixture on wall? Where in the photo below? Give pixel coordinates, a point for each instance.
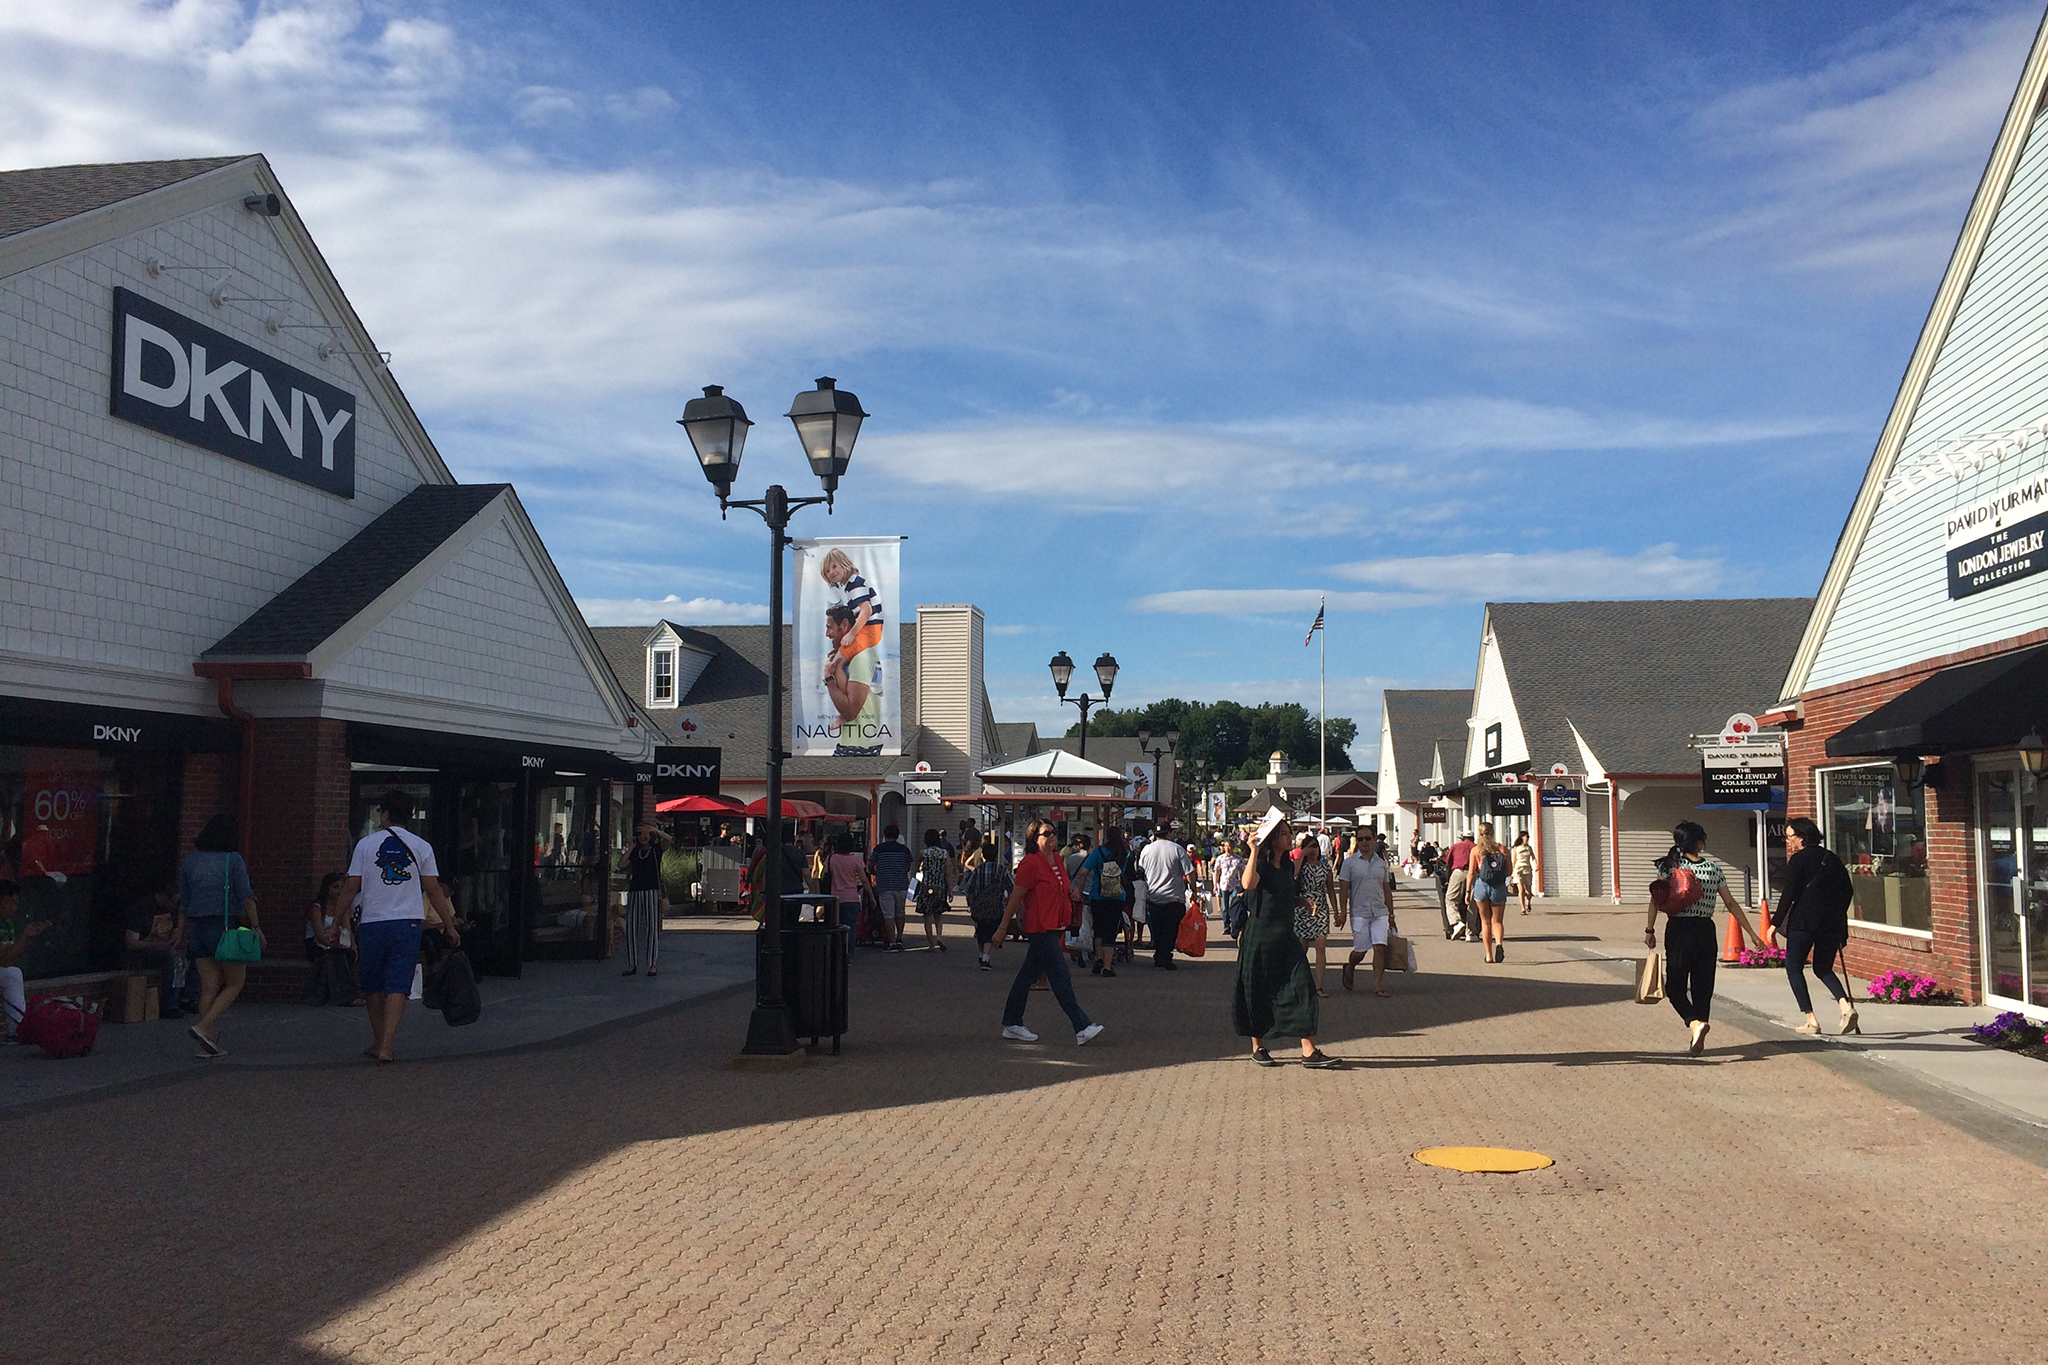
(2033, 750)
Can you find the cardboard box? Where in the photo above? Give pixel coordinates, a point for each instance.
(150, 1006)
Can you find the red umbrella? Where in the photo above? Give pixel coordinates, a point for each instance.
(699, 805)
(792, 809)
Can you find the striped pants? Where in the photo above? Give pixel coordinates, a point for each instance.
(643, 930)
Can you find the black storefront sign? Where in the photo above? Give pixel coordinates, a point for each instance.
(1509, 800)
(1731, 776)
(687, 771)
(175, 376)
(1492, 742)
(1566, 798)
(2015, 552)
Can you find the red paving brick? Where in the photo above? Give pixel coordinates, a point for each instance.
(937, 1194)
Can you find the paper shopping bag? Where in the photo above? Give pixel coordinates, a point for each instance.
(1649, 980)
(1400, 954)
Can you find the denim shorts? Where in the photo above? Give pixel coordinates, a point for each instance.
(202, 935)
(387, 951)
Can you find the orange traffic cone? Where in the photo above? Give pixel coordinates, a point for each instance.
(1763, 928)
(1731, 945)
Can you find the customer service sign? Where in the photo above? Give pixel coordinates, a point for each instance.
(1996, 539)
(203, 387)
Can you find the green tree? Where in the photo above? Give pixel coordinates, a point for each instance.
(1232, 738)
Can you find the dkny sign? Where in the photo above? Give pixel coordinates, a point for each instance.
(204, 387)
(686, 772)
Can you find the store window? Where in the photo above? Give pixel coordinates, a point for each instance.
(88, 834)
(662, 691)
(1876, 823)
(569, 870)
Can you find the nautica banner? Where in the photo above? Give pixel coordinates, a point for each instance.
(204, 387)
(843, 693)
(1997, 539)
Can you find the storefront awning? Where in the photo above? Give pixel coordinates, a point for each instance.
(1984, 705)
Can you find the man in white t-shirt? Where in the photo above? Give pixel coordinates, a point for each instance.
(394, 873)
(1367, 888)
(1165, 867)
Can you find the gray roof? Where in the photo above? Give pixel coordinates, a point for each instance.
(1639, 678)
(1118, 752)
(730, 699)
(1421, 719)
(1019, 738)
(331, 593)
(50, 194)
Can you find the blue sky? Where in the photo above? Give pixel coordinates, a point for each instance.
(1169, 317)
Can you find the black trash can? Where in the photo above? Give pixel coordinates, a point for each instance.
(814, 962)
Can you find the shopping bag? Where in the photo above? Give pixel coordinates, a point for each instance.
(1400, 954)
(1193, 940)
(1649, 980)
(1085, 940)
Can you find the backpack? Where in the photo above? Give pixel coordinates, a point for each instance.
(1676, 890)
(932, 892)
(1111, 886)
(1493, 868)
(62, 1026)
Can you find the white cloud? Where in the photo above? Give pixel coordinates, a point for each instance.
(1865, 164)
(1274, 602)
(1431, 580)
(1553, 574)
(544, 104)
(1014, 630)
(697, 611)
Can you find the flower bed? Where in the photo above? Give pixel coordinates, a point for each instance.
(1909, 988)
(2014, 1032)
(1768, 957)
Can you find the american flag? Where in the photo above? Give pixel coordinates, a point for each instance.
(1309, 638)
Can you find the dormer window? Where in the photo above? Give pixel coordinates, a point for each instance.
(661, 678)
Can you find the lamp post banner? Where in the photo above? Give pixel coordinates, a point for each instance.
(844, 690)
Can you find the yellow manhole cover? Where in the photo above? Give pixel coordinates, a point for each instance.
(1499, 1160)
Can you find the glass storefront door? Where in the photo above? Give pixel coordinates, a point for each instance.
(485, 885)
(570, 872)
(2012, 835)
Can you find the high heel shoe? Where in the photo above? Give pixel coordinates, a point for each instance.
(1850, 1023)
(1810, 1027)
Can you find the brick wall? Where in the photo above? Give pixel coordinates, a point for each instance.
(1951, 957)
(205, 788)
(301, 832)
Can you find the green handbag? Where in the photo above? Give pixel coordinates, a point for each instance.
(239, 943)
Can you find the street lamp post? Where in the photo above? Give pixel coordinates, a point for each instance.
(1172, 738)
(1105, 673)
(827, 421)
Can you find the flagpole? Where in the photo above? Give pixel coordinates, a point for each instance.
(1323, 720)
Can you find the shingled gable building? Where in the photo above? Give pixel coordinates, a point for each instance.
(1418, 728)
(1918, 695)
(240, 578)
(708, 686)
(1609, 695)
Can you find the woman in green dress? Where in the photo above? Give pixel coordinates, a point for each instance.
(1276, 993)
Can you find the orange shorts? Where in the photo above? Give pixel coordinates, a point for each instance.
(868, 636)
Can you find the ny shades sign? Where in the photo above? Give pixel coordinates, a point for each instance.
(203, 387)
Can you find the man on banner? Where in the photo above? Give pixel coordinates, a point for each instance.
(850, 680)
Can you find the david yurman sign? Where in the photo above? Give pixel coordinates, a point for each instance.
(1741, 774)
(204, 387)
(686, 772)
(1997, 539)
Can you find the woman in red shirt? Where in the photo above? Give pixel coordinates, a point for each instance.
(1046, 899)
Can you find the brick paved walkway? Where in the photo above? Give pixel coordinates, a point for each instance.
(938, 1194)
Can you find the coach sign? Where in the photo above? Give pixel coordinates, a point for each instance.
(687, 772)
(203, 387)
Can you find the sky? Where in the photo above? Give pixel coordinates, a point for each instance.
(1171, 319)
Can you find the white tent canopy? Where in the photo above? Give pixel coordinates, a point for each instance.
(1054, 765)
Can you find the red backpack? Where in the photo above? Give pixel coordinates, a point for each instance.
(62, 1026)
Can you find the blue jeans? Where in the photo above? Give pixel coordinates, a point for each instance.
(1042, 957)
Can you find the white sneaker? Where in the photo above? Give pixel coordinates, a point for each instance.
(1086, 1035)
(1018, 1033)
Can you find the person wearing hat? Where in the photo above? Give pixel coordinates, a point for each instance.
(1275, 992)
